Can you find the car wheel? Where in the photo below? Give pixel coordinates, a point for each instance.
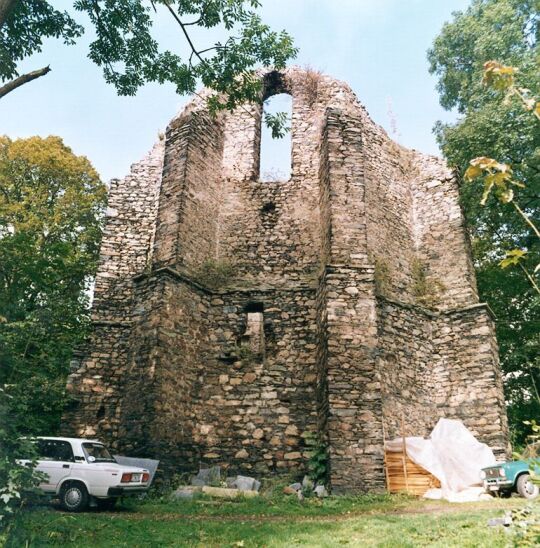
(505, 494)
(526, 488)
(106, 504)
(74, 497)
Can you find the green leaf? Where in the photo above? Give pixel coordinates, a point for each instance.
(513, 257)
(488, 185)
(506, 196)
(472, 173)
(277, 123)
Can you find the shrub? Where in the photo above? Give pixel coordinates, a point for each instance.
(18, 482)
(215, 274)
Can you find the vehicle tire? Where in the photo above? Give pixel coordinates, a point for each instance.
(506, 494)
(106, 504)
(526, 488)
(74, 497)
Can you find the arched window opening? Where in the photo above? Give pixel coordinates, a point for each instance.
(275, 154)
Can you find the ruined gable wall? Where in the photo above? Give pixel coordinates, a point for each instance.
(270, 230)
(343, 351)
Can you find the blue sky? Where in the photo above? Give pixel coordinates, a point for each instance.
(377, 46)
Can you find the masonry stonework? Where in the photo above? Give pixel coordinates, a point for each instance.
(234, 318)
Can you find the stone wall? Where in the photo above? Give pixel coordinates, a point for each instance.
(127, 237)
(354, 421)
(235, 319)
(256, 408)
(171, 348)
(270, 232)
(405, 363)
(99, 369)
(437, 218)
(190, 197)
(468, 374)
(197, 390)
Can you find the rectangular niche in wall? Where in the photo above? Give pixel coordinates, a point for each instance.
(276, 157)
(253, 338)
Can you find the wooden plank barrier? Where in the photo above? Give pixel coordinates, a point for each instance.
(404, 476)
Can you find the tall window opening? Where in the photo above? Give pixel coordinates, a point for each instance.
(252, 340)
(276, 157)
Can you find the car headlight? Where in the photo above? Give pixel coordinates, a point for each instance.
(502, 472)
(482, 475)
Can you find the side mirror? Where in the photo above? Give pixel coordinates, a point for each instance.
(91, 459)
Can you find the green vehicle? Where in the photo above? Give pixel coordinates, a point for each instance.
(505, 478)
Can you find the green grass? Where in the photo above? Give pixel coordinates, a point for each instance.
(386, 521)
(275, 505)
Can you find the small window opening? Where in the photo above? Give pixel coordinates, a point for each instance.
(275, 154)
(268, 207)
(101, 412)
(269, 215)
(252, 341)
(254, 307)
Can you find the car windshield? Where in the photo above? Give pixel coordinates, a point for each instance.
(98, 451)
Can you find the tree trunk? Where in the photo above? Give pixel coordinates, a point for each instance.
(14, 84)
(6, 7)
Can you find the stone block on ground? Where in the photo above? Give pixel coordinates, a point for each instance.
(207, 476)
(245, 483)
(320, 491)
(185, 492)
(292, 489)
(225, 493)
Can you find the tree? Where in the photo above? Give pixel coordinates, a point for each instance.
(130, 55)
(497, 127)
(23, 26)
(18, 482)
(51, 204)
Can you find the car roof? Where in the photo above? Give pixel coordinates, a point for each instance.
(67, 439)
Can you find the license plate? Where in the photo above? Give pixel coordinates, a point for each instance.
(135, 477)
(493, 487)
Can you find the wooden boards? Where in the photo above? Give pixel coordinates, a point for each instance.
(403, 475)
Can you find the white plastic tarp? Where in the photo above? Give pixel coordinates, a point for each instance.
(451, 453)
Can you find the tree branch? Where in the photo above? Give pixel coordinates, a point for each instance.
(183, 27)
(103, 29)
(6, 7)
(25, 78)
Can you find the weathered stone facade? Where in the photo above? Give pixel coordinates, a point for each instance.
(233, 317)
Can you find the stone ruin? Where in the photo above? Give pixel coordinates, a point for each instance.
(235, 319)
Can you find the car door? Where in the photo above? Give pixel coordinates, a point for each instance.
(55, 460)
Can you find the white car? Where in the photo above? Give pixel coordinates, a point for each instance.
(81, 471)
